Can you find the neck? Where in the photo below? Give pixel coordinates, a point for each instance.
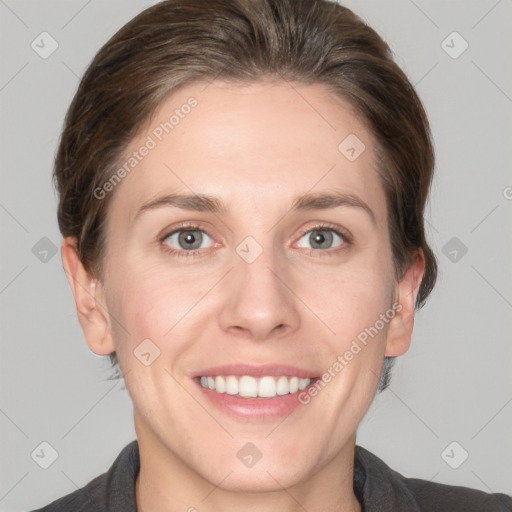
(167, 483)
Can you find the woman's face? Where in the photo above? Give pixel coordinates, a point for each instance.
(223, 251)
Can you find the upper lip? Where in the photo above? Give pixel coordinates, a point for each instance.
(271, 370)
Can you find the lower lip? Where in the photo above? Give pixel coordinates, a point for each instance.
(257, 409)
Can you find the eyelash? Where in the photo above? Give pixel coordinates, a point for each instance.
(345, 236)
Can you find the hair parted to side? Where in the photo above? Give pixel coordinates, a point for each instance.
(176, 42)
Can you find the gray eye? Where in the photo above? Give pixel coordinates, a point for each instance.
(188, 240)
(320, 239)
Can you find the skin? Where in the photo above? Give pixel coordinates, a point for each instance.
(256, 147)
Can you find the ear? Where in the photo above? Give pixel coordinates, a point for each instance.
(89, 300)
(400, 327)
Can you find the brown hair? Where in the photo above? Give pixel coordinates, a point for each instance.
(176, 42)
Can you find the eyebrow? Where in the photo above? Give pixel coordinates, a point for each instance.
(212, 204)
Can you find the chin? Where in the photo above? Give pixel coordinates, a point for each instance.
(273, 478)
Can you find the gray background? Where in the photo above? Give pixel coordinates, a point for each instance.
(454, 384)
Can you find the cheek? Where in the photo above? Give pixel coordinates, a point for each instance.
(350, 298)
(156, 304)
(361, 305)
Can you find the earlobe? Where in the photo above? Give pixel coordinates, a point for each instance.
(401, 326)
(89, 300)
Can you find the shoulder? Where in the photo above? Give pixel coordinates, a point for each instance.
(87, 499)
(381, 489)
(452, 498)
(114, 490)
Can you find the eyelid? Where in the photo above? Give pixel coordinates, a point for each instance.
(197, 226)
(344, 234)
(184, 226)
(327, 226)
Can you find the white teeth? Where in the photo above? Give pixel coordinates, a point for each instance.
(247, 386)
(283, 387)
(220, 385)
(267, 387)
(294, 384)
(304, 383)
(250, 387)
(231, 385)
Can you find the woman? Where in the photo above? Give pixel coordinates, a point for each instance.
(242, 187)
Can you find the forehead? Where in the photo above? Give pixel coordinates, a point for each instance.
(251, 145)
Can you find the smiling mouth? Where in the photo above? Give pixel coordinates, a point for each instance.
(246, 386)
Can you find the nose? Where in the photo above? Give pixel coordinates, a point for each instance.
(259, 302)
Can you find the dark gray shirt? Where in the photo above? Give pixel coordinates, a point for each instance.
(377, 486)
